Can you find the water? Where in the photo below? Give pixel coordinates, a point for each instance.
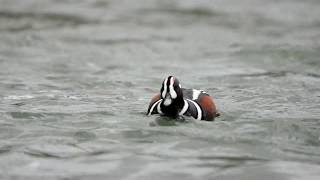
(76, 78)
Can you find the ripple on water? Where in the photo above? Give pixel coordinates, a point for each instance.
(5, 149)
(225, 162)
(22, 21)
(9, 131)
(16, 97)
(15, 86)
(59, 151)
(82, 136)
(26, 115)
(163, 121)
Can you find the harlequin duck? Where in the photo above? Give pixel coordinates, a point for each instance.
(175, 101)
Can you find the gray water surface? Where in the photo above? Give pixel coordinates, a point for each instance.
(76, 78)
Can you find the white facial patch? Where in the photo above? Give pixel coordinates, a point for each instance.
(171, 89)
(172, 94)
(163, 93)
(167, 101)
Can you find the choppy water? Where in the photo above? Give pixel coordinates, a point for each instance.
(76, 78)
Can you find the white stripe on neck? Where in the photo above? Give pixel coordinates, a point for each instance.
(185, 108)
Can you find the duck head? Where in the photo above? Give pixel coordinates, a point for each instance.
(171, 92)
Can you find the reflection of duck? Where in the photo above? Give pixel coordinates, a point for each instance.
(174, 101)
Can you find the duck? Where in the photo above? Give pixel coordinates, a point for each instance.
(175, 101)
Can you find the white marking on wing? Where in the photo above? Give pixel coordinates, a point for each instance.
(195, 94)
(199, 112)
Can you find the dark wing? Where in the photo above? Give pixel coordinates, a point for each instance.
(187, 93)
